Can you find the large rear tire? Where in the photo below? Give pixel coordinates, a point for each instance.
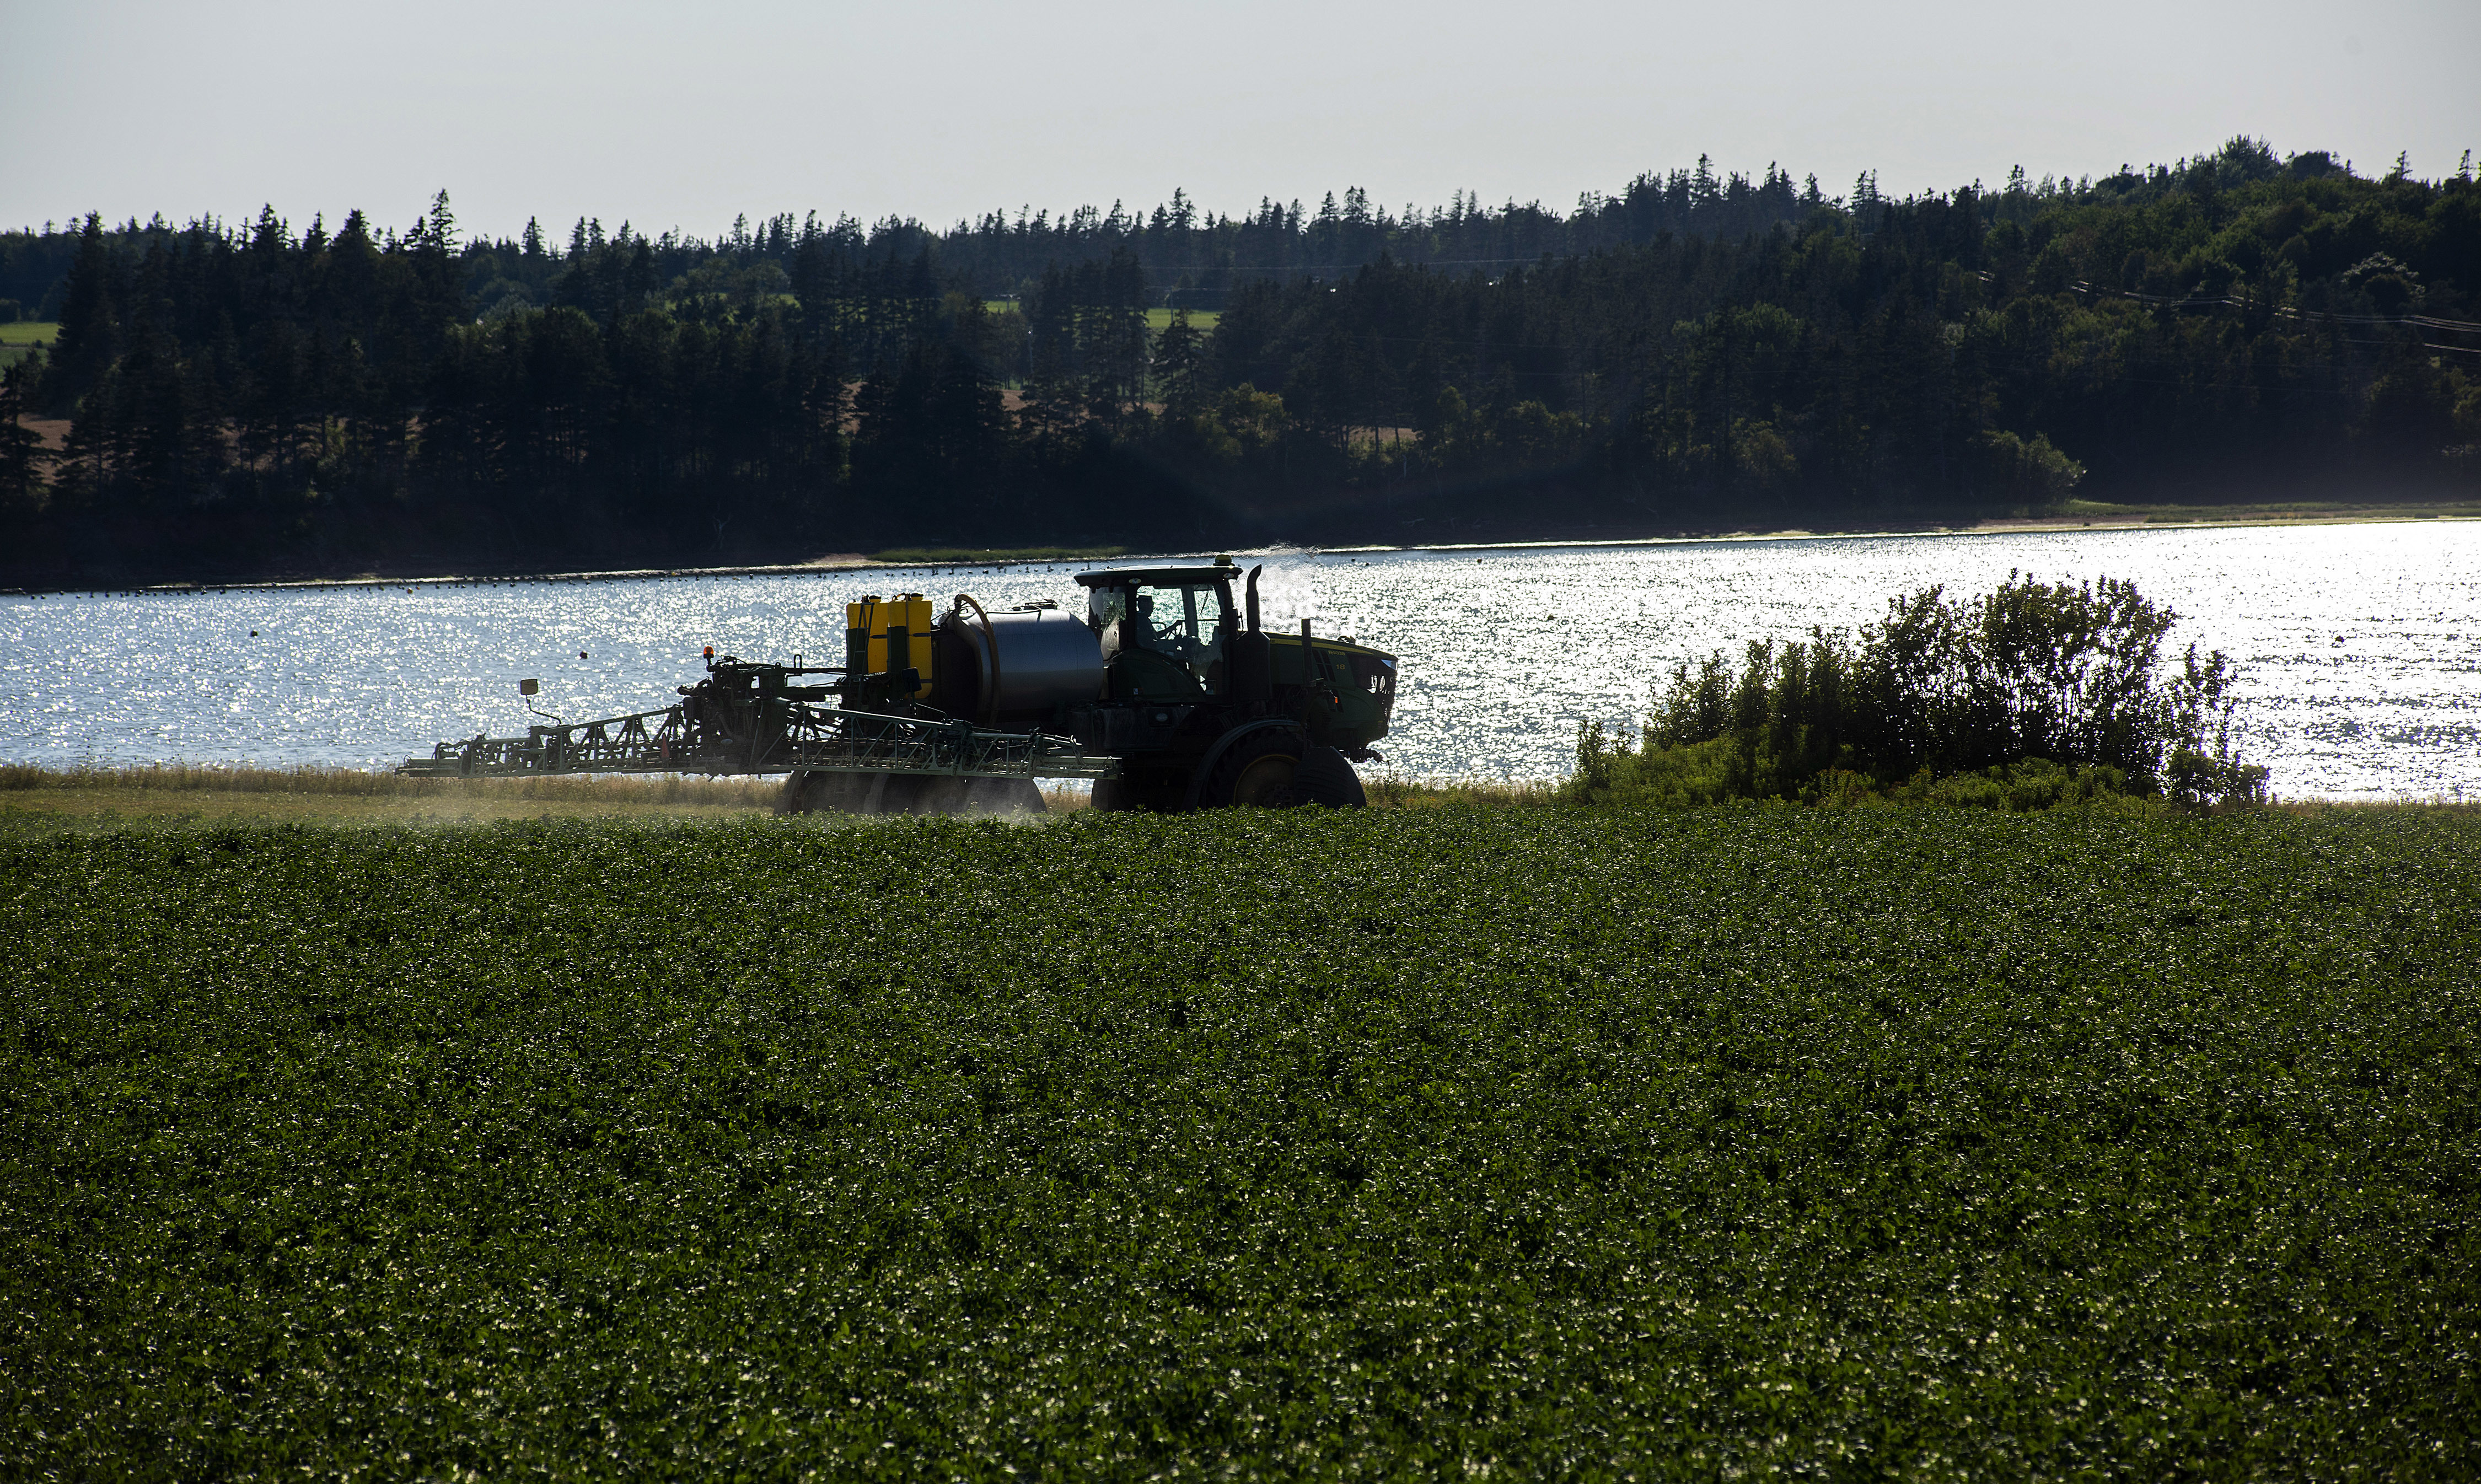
(1256, 772)
(1326, 777)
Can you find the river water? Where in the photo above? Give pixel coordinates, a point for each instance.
(2359, 646)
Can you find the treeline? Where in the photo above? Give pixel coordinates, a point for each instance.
(1192, 258)
(1696, 352)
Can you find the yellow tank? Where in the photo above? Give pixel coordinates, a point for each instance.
(870, 624)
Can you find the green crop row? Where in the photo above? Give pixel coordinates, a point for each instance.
(1926, 1143)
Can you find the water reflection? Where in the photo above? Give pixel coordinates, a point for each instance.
(2358, 643)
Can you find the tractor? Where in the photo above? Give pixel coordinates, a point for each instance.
(1166, 692)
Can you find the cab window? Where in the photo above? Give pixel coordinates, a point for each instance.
(1182, 622)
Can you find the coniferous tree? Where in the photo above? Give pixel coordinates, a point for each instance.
(89, 339)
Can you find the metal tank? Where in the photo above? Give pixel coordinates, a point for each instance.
(1014, 670)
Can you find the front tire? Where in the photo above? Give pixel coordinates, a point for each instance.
(1326, 777)
(1259, 771)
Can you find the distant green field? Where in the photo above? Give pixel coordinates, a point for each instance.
(1439, 1144)
(1199, 319)
(17, 339)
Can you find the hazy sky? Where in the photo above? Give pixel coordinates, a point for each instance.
(681, 114)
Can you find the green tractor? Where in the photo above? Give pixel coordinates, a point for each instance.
(1205, 708)
(1168, 671)
(1166, 693)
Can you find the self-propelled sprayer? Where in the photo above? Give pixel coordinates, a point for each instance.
(1166, 693)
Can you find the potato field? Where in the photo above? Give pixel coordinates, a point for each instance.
(1452, 1143)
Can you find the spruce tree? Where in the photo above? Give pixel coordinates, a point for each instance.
(89, 338)
(439, 225)
(1704, 191)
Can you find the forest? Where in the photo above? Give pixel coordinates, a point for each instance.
(1702, 351)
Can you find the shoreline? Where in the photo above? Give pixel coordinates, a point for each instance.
(2457, 511)
(2116, 518)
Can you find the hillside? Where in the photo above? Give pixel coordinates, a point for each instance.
(1698, 352)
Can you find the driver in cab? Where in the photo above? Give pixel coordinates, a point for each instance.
(1164, 623)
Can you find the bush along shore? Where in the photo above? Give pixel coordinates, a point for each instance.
(2036, 695)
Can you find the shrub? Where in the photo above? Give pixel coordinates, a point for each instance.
(2065, 675)
(2030, 471)
(2203, 766)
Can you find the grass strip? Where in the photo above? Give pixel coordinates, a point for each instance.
(242, 778)
(39, 800)
(1927, 1142)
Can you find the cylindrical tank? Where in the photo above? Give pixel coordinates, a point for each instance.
(1046, 658)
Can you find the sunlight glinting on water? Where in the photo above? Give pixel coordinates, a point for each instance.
(2358, 644)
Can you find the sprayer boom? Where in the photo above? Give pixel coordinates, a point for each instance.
(746, 720)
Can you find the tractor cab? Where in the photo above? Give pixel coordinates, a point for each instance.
(1165, 632)
(1203, 706)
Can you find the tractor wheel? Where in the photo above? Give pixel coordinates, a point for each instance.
(1256, 773)
(1326, 777)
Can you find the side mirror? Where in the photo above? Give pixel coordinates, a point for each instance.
(529, 688)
